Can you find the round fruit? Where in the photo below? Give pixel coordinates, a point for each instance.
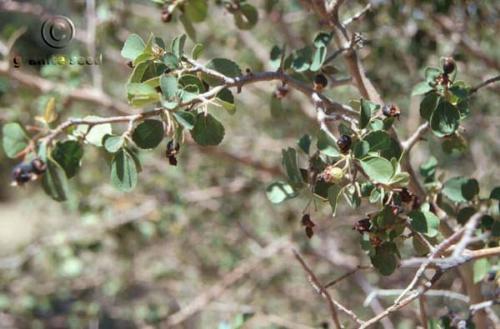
(449, 65)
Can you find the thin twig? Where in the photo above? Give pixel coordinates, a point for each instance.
(320, 289)
(484, 84)
(423, 312)
(358, 15)
(415, 137)
(398, 305)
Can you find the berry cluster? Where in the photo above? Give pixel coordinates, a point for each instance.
(308, 224)
(172, 151)
(26, 172)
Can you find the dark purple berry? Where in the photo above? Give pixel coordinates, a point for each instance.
(38, 166)
(22, 173)
(306, 221)
(320, 82)
(344, 143)
(166, 16)
(391, 111)
(449, 65)
(171, 153)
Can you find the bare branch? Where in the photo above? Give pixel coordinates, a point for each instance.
(413, 139)
(320, 289)
(358, 15)
(484, 84)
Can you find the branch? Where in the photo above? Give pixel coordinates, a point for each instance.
(358, 15)
(398, 305)
(320, 289)
(484, 84)
(413, 139)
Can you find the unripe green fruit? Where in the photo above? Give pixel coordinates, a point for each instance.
(332, 174)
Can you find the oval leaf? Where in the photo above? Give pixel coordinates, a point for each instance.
(123, 171)
(207, 130)
(14, 139)
(445, 119)
(148, 134)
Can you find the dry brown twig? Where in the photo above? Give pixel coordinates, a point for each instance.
(323, 292)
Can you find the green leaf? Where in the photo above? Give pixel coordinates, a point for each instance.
(304, 143)
(378, 169)
(421, 88)
(352, 197)
(148, 134)
(186, 119)
(428, 105)
(495, 193)
(460, 189)
(376, 195)
(291, 165)
(188, 26)
(197, 51)
(431, 74)
(178, 45)
(171, 61)
(318, 59)
(94, 134)
(385, 218)
(428, 169)
(367, 110)
(247, 17)
(141, 94)
(169, 86)
(224, 66)
(54, 181)
(196, 10)
(481, 268)
(113, 143)
(465, 214)
(14, 139)
(278, 192)
(123, 171)
(322, 39)
(385, 260)
(133, 47)
(378, 141)
(424, 222)
(68, 155)
(275, 57)
(191, 80)
(326, 145)
(400, 179)
(361, 149)
(495, 229)
(138, 72)
(445, 119)
(333, 197)
(226, 99)
(207, 130)
(302, 59)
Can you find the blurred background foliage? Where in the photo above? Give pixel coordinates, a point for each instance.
(106, 259)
